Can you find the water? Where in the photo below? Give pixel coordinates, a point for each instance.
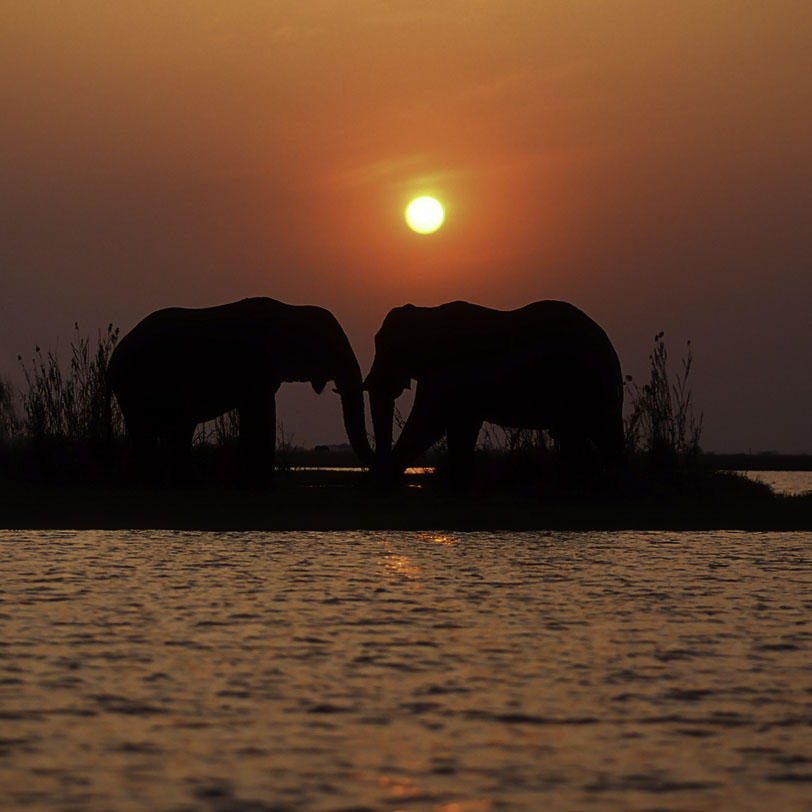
(790, 483)
(300, 672)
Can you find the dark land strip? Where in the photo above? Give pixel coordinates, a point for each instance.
(336, 500)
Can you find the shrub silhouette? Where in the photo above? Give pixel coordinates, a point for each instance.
(68, 420)
(661, 422)
(9, 421)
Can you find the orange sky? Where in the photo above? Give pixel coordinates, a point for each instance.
(649, 162)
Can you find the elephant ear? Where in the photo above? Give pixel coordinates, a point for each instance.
(318, 385)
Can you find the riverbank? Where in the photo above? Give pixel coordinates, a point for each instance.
(342, 500)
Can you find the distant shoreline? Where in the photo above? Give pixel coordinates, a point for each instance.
(756, 462)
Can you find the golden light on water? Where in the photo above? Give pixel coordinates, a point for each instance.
(398, 567)
(424, 215)
(439, 538)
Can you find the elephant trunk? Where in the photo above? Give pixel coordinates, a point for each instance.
(383, 412)
(352, 404)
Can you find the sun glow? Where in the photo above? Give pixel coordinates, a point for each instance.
(424, 215)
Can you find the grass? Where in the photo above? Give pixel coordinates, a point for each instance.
(62, 424)
(661, 422)
(74, 405)
(9, 421)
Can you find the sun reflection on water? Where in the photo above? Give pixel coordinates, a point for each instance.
(439, 538)
(397, 567)
(405, 788)
(474, 805)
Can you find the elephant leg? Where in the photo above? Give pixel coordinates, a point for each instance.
(179, 436)
(576, 457)
(462, 436)
(144, 441)
(257, 442)
(612, 445)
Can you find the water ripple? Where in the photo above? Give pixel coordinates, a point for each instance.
(436, 672)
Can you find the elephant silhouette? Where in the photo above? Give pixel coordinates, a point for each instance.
(544, 366)
(180, 367)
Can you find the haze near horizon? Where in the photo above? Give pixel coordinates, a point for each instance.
(649, 163)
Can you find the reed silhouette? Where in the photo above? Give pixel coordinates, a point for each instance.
(662, 422)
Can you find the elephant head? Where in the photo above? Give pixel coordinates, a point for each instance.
(422, 344)
(331, 358)
(392, 371)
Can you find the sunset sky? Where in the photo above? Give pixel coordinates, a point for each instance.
(648, 162)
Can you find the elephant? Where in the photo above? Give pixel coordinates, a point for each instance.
(180, 367)
(543, 366)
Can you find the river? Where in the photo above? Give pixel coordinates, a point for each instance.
(428, 672)
(788, 483)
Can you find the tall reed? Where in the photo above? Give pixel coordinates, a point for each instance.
(662, 422)
(9, 420)
(74, 404)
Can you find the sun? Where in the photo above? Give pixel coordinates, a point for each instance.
(424, 215)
